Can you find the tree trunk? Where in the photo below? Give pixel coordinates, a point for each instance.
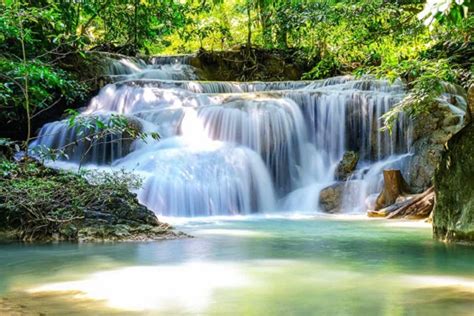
(418, 207)
(249, 26)
(264, 15)
(394, 186)
(415, 207)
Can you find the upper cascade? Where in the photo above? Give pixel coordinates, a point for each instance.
(170, 68)
(241, 147)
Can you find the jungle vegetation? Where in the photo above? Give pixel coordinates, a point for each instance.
(44, 42)
(47, 64)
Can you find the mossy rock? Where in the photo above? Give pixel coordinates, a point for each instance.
(42, 204)
(453, 218)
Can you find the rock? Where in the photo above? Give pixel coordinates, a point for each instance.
(347, 165)
(451, 120)
(76, 210)
(453, 216)
(330, 198)
(423, 164)
(470, 101)
(380, 213)
(431, 131)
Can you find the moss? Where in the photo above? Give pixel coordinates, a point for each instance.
(453, 218)
(39, 203)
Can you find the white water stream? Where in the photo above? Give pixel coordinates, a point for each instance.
(241, 147)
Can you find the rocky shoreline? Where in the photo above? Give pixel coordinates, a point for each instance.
(39, 204)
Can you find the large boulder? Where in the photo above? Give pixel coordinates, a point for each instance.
(330, 198)
(335, 197)
(431, 131)
(453, 218)
(347, 165)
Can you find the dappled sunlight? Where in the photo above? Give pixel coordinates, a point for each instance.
(130, 64)
(435, 281)
(201, 287)
(232, 232)
(188, 287)
(407, 223)
(192, 129)
(254, 265)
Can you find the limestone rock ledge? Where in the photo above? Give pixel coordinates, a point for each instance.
(430, 133)
(453, 218)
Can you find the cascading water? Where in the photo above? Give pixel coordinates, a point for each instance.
(242, 147)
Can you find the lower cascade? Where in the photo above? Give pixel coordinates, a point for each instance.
(230, 148)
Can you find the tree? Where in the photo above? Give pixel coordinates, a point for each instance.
(446, 11)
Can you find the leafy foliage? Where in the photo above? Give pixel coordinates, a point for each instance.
(446, 11)
(39, 202)
(385, 38)
(93, 130)
(47, 85)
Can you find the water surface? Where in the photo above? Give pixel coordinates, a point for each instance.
(249, 266)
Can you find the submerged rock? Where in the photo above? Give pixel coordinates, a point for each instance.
(453, 218)
(347, 165)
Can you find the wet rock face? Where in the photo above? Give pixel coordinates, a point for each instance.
(423, 164)
(336, 197)
(330, 198)
(453, 218)
(430, 132)
(347, 165)
(470, 101)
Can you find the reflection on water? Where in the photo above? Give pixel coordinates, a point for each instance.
(248, 266)
(182, 286)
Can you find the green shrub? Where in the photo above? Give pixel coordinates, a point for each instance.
(39, 202)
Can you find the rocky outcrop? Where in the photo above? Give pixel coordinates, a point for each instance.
(347, 165)
(453, 218)
(431, 131)
(470, 102)
(42, 204)
(330, 198)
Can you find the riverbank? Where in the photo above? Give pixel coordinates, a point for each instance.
(41, 204)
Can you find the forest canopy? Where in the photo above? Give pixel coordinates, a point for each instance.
(421, 42)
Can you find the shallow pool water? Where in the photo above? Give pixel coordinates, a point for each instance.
(248, 266)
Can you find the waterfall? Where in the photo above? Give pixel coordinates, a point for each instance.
(240, 147)
(214, 178)
(134, 68)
